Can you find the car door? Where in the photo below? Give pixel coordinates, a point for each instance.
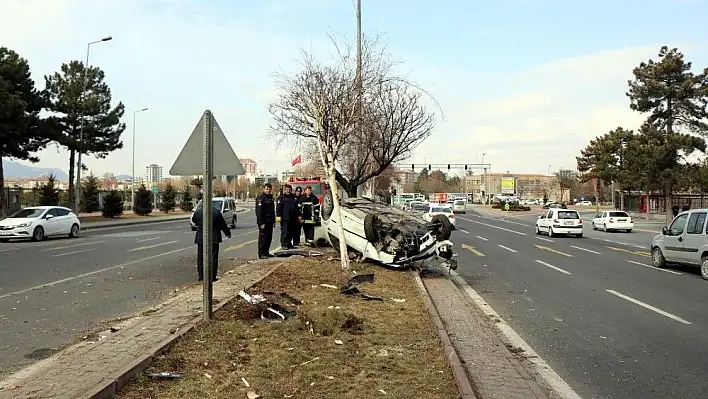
(52, 225)
(64, 219)
(694, 238)
(674, 238)
(543, 221)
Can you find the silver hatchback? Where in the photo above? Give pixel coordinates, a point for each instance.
(684, 242)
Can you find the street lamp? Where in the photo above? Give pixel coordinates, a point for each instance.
(77, 196)
(132, 179)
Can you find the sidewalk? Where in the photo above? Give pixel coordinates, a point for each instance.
(98, 368)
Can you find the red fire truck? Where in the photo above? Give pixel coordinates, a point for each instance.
(319, 188)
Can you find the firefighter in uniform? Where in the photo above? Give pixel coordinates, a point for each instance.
(307, 203)
(297, 227)
(287, 214)
(265, 218)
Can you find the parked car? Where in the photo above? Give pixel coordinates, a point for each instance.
(683, 242)
(386, 234)
(443, 210)
(584, 203)
(613, 221)
(560, 221)
(459, 207)
(227, 207)
(38, 222)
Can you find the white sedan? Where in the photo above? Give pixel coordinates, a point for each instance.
(613, 221)
(38, 222)
(441, 210)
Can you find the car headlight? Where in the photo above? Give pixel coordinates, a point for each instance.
(28, 224)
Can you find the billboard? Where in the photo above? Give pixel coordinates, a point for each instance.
(507, 185)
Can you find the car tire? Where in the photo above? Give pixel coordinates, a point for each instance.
(445, 227)
(370, 222)
(594, 226)
(704, 268)
(657, 258)
(604, 228)
(38, 234)
(550, 232)
(75, 231)
(579, 235)
(538, 231)
(629, 230)
(327, 205)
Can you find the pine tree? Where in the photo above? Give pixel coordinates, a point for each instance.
(49, 195)
(168, 199)
(89, 194)
(186, 205)
(112, 205)
(143, 201)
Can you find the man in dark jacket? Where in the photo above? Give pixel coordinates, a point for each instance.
(217, 227)
(307, 203)
(297, 226)
(286, 213)
(265, 218)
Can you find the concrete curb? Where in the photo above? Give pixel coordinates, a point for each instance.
(141, 221)
(544, 375)
(109, 388)
(462, 380)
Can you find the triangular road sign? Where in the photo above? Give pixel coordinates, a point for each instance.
(190, 160)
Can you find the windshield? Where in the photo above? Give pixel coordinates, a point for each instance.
(441, 210)
(568, 215)
(215, 203)
(459, 202)
(28, 213)
(619, 215)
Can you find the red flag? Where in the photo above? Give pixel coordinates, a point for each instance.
(296, 160)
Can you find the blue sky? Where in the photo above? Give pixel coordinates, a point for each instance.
(528, 83)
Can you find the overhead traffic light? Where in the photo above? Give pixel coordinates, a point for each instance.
(465, 167)
(429, 168)
(448, 166)
(413, 167)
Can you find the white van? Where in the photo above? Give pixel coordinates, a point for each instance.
(226, 205)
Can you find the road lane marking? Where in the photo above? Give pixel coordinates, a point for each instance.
(464, 231)
(647, 306)
(495, 227)
(482, 238)
(507, 248)
(149, 239)
(544, 239)
(520, 224)
(549, 249)
(558, 269)
(9, 249)
(638, 253)
(622, 243)
(75, 252)
(241, 245)
(586, 250)
(152, 246)
(653, 267)
(73, 245)
(64, 280)
(472, 249)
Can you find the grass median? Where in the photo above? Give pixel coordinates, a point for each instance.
(129, 216)
(334, 346)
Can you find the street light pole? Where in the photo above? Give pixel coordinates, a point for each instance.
(132, 179)
(77, 196)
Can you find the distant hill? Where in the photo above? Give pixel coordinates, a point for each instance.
(17, 170)
(124, 177)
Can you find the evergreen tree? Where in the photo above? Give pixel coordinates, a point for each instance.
(168, 199)
(112, 205)
(186, 205)
(89, 194)
(49, 195)
(143, 201)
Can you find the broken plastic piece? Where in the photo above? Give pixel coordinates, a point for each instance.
(284, 253)
(166, 375)
(255, 299)
(276, 313)
(252, 395)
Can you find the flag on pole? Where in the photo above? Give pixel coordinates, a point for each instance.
(296, 161)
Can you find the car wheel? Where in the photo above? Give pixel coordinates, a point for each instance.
(74, 232)
(445, 227)
(704, 268)
(629, 230)
(370, 223)
(538, 231)
(38, 234)
(604, 228)
(327, 205)
(579, 235)
(594, 226)
(657, 258)
(550, 232)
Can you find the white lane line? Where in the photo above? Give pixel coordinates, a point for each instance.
(544, 239)
(507, 248)
(73, 245)
(482, 238)
(149, 239)
(625, 243)
(64, 280)
(652, 267)
(647, 306)
(586, 250)
(520, 224)
(152, 246)
(2, 251)
(558, 269)
(464, 231)
(496, 227)
(75, 252)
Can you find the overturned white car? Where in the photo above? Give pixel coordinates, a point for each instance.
(384, 234)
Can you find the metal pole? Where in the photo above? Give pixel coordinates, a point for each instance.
(359, 78)
(206, 210)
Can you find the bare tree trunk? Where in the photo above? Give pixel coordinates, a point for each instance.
(343, 253)
(3, 200)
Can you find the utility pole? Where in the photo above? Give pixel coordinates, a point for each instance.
(359, 79)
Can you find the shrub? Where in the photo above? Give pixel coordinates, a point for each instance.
(112, 205)
(143, 201)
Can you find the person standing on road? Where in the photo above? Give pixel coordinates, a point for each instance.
(307, 203)
(265, 218)
(286, 214)
(297, 226)
(217, 227)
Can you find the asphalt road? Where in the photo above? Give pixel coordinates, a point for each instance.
(594, 308)
(53, 292)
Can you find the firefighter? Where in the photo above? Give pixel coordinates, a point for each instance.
(297, 227)
(307, 203)
(287, 215)
(265, 218)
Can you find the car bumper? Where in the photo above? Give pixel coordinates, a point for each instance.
(620, 226)
(22, 232)
(567, 229)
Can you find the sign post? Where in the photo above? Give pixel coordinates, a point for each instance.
(207, 153)
(155, 190)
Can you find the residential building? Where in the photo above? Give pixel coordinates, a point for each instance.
(153, 175)
(32, 182)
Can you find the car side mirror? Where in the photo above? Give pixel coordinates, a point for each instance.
(539, 216)
(665, 230)
(49, 217)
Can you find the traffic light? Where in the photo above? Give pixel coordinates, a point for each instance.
(413, 167)
(448, 166)
(429, 168)
(465, 167)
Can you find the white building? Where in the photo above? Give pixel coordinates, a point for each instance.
(153, 174)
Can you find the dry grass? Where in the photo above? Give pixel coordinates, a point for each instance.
(388, 349)
(129, 216)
